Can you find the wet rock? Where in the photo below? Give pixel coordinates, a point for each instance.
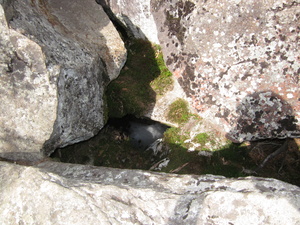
(56, 193)
(56, 59)
(228, 54)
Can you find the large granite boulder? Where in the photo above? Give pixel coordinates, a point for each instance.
(56, 58)
(28, 92)
(56, 193)
(238, 62)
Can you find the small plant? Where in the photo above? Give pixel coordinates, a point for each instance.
(174, 136)
(202, 138)
(179, 112)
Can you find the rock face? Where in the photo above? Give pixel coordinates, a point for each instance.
(28, 92)
(238, 62)
(56, 58)
(55, 193)
(135, 15)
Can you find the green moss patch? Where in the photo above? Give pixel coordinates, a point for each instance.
(175, 136)
(164, 82)
(204, 138)
(179, 112)
(144, 74)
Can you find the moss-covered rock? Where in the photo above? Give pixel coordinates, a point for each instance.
(179, 112)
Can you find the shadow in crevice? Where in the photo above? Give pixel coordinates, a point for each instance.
(120, 144)
(276, 158)
(268, 122)
(131, 92)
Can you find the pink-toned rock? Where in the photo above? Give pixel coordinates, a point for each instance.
(238, 62)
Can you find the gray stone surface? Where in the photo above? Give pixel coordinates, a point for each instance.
(136, 16)
(56, 59)
(56, 193)
(238, 62)
(28, 92)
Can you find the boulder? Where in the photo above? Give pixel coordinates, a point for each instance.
(134, 15)
(28, 92)
(237, 61)
(57, 193)
(56, 59)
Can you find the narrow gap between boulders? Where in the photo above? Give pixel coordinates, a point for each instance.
(129, 141)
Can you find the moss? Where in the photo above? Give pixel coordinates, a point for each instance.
(164, 82)
(131, 92)
(203, 139)
(178, 112)
(174, 135)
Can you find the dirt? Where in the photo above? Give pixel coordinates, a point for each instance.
(284, 166)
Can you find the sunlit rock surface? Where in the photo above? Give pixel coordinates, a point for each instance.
(135, 15)
(237, 61)
(56, 59)
(56, 193)
(28, 92)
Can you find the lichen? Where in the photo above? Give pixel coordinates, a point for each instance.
(218, 66)
(173, 19)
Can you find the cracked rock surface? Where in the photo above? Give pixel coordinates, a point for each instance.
(57, 193)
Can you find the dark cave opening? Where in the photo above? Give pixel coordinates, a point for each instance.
(142, 132)
(122, 143)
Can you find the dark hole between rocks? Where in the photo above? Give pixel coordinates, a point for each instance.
(142, 132)
(121, 143)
